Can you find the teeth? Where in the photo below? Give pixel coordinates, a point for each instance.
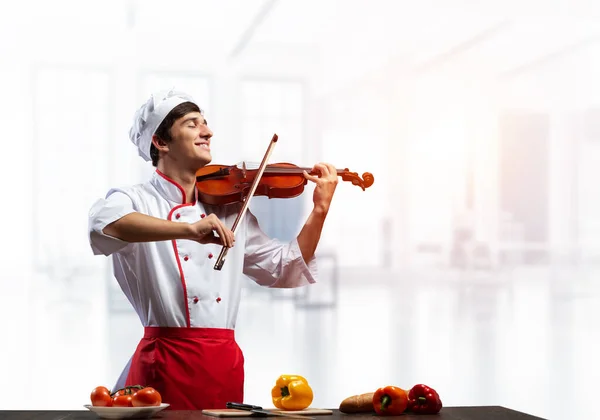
(204, 146)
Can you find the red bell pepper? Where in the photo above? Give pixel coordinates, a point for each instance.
(390, 401)
(424, 400)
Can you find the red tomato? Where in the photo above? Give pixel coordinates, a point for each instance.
(100, 397)
(128, 390)
(146, 397)
(122, 401)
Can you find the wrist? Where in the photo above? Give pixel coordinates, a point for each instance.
(320, 211)
(187, 230)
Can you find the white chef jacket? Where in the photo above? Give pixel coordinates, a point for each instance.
(174, 283)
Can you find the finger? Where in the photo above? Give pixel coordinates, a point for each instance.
(324, 169)
(228, 234)
(213, 239)
(231, 237)
(218, 226)
(312, 178)
(332, 170)
(225, 235)
(210, 237)
(328, 171)
(318, 169)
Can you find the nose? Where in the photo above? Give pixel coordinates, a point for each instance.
(205, 132)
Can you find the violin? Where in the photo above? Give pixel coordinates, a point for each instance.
(228, 184)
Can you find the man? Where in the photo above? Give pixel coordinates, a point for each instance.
(163, 243)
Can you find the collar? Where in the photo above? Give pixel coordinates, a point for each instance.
(170, 189)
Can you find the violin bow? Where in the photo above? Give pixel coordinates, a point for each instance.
(221, 259)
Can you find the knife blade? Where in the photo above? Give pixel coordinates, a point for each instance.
(259, 410)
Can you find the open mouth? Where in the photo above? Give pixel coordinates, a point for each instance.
(203, 146)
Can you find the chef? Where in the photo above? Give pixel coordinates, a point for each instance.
(164, 243)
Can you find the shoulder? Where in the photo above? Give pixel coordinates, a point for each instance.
(135, 190)
(136, 194)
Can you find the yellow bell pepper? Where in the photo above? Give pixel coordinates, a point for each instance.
(292, 392)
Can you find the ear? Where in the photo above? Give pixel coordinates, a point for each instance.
(160, 144)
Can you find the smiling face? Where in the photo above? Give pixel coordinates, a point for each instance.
(190, 143)
(187, 142)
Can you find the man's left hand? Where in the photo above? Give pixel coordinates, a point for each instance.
(326, 181)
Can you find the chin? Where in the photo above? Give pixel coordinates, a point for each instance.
(204, 160)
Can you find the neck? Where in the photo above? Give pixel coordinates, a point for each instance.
(184, 177)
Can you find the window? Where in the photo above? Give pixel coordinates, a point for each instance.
(355, 137)
(274, 107)
(72, 131)
(587, 201)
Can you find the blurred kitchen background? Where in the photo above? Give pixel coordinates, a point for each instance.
(470, 265)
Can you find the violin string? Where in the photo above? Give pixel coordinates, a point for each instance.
(282, 170)
(293, 170)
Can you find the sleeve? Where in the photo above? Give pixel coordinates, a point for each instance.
(272, 263)
(103, 212)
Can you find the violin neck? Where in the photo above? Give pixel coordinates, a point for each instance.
(297, 171)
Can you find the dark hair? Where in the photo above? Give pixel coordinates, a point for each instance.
(163, 130)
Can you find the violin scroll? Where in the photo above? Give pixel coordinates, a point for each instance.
(366, 181)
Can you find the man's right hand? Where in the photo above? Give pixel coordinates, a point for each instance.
(204, 231)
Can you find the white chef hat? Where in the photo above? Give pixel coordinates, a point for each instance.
(149, 116)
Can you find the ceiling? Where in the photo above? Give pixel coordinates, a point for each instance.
(345, 36)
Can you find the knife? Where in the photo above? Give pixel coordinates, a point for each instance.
(259, 410)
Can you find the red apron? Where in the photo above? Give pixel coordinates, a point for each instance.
(192, 368)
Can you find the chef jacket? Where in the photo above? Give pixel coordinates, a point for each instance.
(173, 283)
